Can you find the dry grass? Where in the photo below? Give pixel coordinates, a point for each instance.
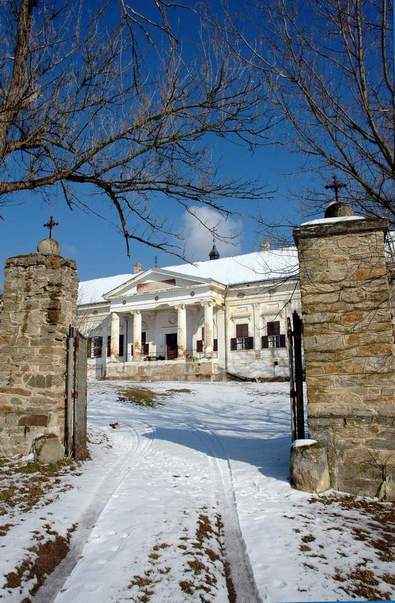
(370, 522)
(42, 560)
(25, 485)
(142, 396)
(201, 550)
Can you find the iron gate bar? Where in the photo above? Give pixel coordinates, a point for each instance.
(292, 391)
(294, 332)
(297, 330)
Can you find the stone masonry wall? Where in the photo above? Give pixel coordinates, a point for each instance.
(349, 349)
(40, 297)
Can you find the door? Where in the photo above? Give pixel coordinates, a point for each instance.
(171, 346)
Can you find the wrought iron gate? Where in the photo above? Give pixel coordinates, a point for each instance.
(295, 332)
(76, 394)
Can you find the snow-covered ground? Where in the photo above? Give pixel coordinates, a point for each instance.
(189, 500)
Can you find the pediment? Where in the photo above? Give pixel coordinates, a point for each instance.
(154, 280)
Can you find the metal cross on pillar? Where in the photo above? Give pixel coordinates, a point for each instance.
(336, 186)
(51, 224)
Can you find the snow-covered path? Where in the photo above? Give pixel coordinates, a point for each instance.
(189, 501)
(175, 467)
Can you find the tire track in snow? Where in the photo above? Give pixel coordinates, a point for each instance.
(133, 456)
(236, 551)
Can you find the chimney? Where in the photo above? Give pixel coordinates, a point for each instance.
(265, 245)
(137, 267)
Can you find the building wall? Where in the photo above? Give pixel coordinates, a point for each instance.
(254, 304)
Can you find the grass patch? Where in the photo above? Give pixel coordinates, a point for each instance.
(196, 566)
(186, 587)
(308, 538)
(27, 484)
(141, 396)
(5, 527)
(43, 559)
(52, 469)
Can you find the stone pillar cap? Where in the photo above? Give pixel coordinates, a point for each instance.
(336, 209)
(49, 247)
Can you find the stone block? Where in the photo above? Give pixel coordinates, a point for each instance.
(309, 466)
(48, 450)
(33, 420)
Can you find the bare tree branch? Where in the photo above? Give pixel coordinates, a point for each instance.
(329, 66)
(121, 109)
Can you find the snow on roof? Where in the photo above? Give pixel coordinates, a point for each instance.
(334, 219)
(91, 292)
(247, 268)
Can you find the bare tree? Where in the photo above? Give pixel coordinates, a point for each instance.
(329, 66)
(118, 105)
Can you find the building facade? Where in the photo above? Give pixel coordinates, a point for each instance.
(209, 320)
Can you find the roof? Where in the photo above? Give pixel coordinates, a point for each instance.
(246, 268)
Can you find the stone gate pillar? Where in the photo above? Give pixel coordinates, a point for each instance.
(40, 301)
(349, 348)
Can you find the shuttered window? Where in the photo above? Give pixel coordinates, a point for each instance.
(242, 330)
(242, 343)
(273, 341)
(273, 328)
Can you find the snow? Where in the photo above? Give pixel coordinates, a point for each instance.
(333, 220)
(246, 268)
(302, 443)
(208, 450)
(92, 291)
(213, 449)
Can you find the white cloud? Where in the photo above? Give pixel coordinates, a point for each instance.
(198, 233)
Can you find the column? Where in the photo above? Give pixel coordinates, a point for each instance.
(129, 342)
(104, 335)
(208, 328)
(114, 336)
(181, 331)
(257, 327)
(136, 335)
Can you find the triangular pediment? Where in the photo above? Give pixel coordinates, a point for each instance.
(153, 280)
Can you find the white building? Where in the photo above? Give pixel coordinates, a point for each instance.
(193, 321)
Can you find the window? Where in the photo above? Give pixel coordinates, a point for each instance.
(215, 345)
(273, 328)
(95, 345)
(144, 344)
(273, 339)
(242, 341)
(242, 330)
(109, 346)
(199, 345)
(121, 344)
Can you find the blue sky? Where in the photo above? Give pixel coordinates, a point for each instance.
(97, 244)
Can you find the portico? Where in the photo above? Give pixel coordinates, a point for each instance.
(172, 332)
